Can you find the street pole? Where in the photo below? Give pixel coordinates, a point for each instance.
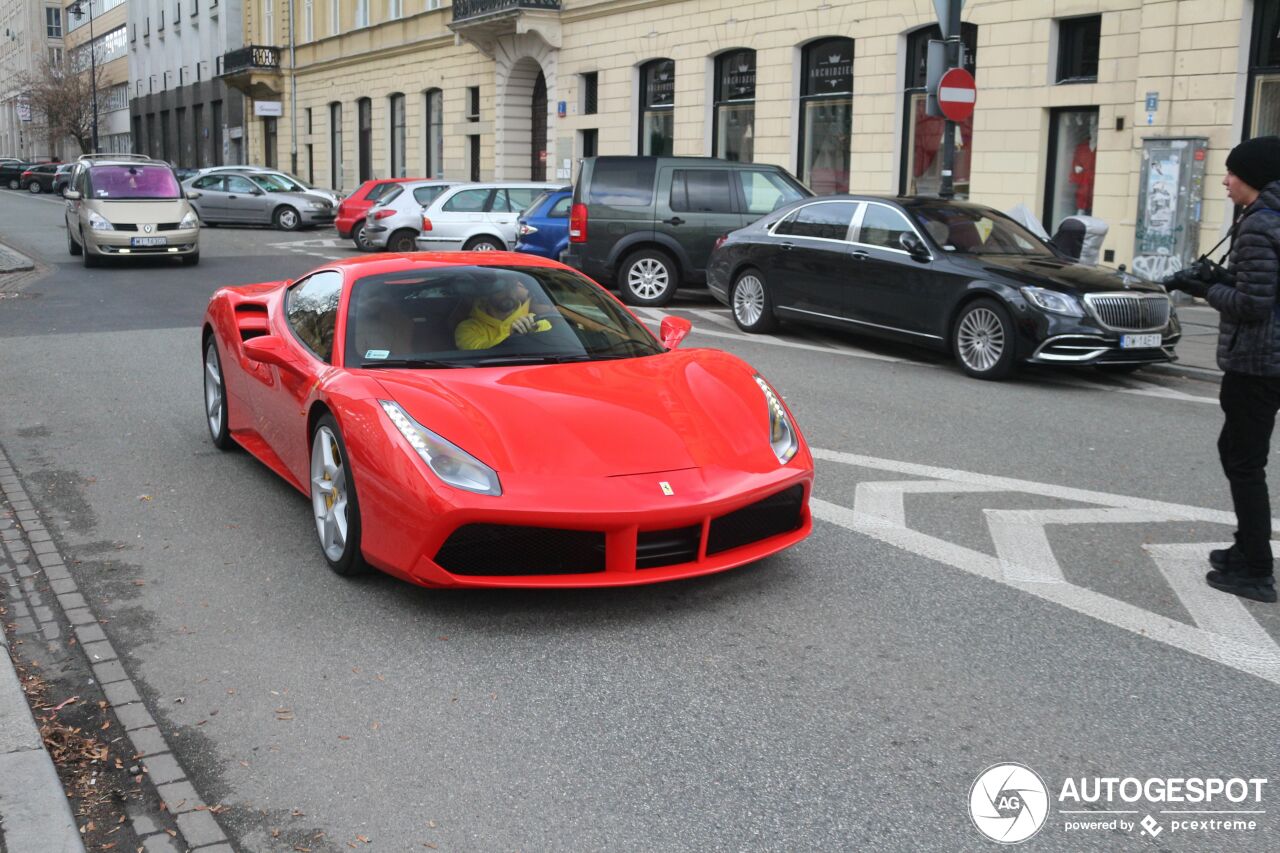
(293, 98)
(947, 188)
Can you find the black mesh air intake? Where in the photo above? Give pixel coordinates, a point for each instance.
(776, 514)
(504, 549)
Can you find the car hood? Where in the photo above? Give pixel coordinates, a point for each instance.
(667, 412)
(1062, 275)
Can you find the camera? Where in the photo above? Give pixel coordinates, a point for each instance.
(1204, 269)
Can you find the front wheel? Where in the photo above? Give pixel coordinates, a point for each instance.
(287, 219)
(14, 184)
(648, 277)
(752, 307)
(982, 340)
(360, 238)
(215, 398)
(483, 244)
(34, 188)
(333, 500)
(403, 241)
(191, 260)
(72, 246)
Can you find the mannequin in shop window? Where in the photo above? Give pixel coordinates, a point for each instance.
(1082, 172)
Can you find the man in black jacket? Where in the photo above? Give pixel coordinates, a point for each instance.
(1245, 295)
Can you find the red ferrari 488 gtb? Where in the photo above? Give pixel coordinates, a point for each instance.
(487, 420)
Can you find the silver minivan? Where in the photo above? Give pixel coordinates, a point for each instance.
(128, 205)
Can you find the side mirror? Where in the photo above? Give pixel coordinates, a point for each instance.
(914, 245)
(255, 192)
(71, 195)
(673, 330)
(267, 349)
(192, 194)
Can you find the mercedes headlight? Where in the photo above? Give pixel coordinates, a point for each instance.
(782, 433)
(448, 461)
(99, 223)
(189, 221)
(1053, 301)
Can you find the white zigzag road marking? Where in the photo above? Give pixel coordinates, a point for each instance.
(1224, 632)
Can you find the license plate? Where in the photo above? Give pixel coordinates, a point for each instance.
(1140, 341)
(149, 241)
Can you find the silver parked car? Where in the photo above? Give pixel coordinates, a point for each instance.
(260, 198)
(393, 224)
(478, 217)
(331, 195)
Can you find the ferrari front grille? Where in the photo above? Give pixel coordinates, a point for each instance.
(508, 549)
(775, 514)
(656, 548)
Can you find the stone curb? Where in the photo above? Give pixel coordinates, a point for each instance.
(200, 829)
(11, 260)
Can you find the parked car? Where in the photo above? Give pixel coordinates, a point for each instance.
(394, 222)
(39, 179)
(946, 274)
(477, 217)
(128, 207)
(350, 219)
(11, 173)
(648, 224)
(331, 195)
(62, 177)
(531, 462)
(543, 228)
(257, 198)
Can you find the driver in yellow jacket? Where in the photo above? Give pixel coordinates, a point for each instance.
(505, 312)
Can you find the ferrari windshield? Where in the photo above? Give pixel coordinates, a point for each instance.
(975, 231)
(479, 316)
(132, 182)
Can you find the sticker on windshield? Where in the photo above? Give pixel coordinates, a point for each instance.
(377, 353)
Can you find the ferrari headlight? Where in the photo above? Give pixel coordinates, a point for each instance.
(189, 221)
(782, 433)
(99, 223)
(1053, 301)
(448, 461)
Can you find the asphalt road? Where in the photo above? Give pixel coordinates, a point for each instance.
(841, 696)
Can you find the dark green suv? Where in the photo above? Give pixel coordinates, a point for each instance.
(648, 224)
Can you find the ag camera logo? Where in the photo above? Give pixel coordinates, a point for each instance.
(1008, 803)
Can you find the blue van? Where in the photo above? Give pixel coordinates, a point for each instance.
(543, 228)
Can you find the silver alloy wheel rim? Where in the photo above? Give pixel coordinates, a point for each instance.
(748, 300)
(484, 246)
(329, 494)
(288, 219)
(361, 238)
(648, 278)
(981, 339)
(212, 390)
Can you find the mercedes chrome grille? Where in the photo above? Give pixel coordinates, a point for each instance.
(1129, 312)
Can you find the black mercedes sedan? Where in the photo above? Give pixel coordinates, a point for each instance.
(945, 274)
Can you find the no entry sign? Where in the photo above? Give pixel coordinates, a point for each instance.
(957, 93)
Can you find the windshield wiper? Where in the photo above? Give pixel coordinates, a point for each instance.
(410, 362)
(527, 359)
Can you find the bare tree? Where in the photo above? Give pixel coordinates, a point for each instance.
(63, 97)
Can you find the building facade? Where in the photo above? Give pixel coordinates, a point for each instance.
(1123, 109)
(33, 33)
(100, 27)
(181, 109)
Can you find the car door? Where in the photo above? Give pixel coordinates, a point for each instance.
(310, 319)
(696, 207)
(241, 203)
(71, 210)
(888, 286)
(508, 204)
(464, 214)
(806, 261)
(210, 203)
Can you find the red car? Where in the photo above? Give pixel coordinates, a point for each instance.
(351, 210)
(499, 420)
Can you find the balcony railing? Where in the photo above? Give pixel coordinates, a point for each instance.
(249, 58)
(464, 10)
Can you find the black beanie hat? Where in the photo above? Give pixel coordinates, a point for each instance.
(1256, 161)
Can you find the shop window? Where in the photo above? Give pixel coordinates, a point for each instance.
(1078, 40)
(434, 120)
(923, 133)
(826, 114)
(657, 107)
(1073, 146)
(735, 106)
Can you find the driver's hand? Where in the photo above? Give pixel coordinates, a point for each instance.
(524, 325)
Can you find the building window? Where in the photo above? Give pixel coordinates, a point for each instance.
(268, 22)
(335, 145)
(309, 124)
(394, 9)
(335, 19)
(269, 142)
(308, 20)
(434, 121)
(364, 138)
(53, 22)
(362, 13)
(733, 125)
(1073, 146)
(396, 106)
(1262, 111)
(473, 103)
(1078, 49)
(55, 57)
(826, 114)
(922, 152)
(473, 156)
(590, 86)
(590, 142)
(657, 107)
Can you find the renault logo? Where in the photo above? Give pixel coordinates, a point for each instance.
(146, 228)
(666, 487)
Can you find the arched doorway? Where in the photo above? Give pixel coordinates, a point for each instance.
(538, 134)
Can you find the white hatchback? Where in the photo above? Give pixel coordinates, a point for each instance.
(477, 217)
